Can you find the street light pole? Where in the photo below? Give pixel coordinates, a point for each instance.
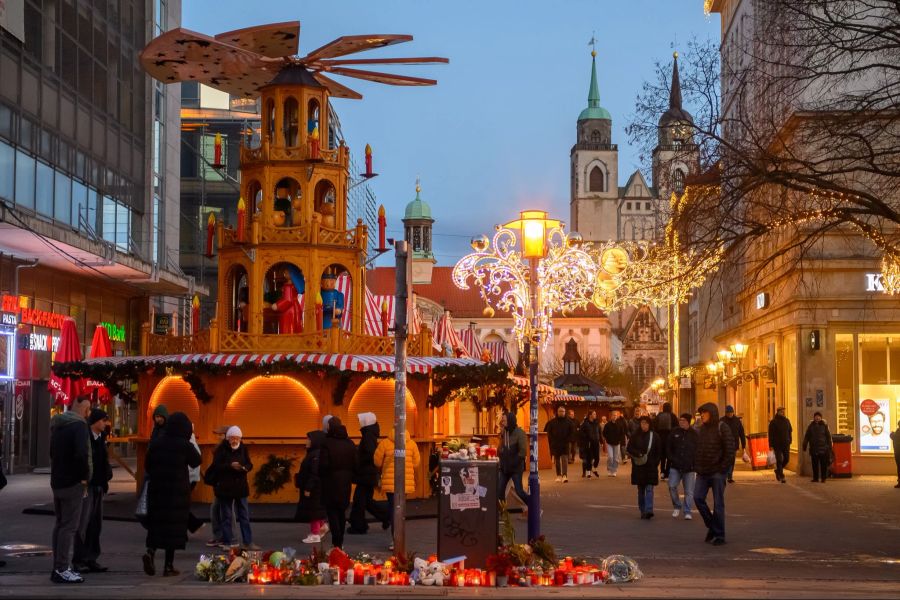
(533, 348)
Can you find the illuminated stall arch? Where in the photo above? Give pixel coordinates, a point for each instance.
(377, 396)
(175, 393)
(277, 406)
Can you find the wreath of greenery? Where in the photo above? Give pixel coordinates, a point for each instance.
(273, 475)
(447, 379)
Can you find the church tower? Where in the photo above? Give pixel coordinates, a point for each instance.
(676, 155)
(594, 170)
(417, 222)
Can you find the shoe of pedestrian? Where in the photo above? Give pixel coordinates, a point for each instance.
(897, 486)
(596, 474)
(649, 515)
(250, 547)
(615, 474)
(730, 480)
(687, 516)
(67, 576)
(170, 571)
(783, 480)
(384, 525)
(643, 515)
(565, 479)
(92, 566)
(709, 536)
(588, 476)
(213, 543)
(312, 539)
(583, 475)
(676, 513)
(718, 541)
(558, 479)
(815, 480)
(149, 567)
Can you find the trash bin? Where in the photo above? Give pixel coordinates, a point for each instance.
(842, 465)
(467, 510)
(759, 450)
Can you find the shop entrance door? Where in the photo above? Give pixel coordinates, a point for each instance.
(770, 405)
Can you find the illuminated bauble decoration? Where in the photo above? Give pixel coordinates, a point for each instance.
(614, 260)
(574, 240)
(488, 311)
(603, 299)
(606, 282)
(480, 243)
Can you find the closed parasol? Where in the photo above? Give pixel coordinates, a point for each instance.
(100, 348)
(63, 389)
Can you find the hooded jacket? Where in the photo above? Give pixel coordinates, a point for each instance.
(70, 450)
(817, 438)
(715, 444)
(613, 433)
(308, 482)
(588, 434)
(513, 447)
(737, 429)
(159, 411)
(367, 472)
(384, 460)
(169, 493)
(780, 432)
(337, 465)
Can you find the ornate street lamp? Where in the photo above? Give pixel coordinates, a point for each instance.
(541, 271)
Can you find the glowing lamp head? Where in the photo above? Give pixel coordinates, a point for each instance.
(712, 368)
(739, 350)
(533, 225)
(724, 356)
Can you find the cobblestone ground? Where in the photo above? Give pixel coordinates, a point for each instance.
(800, 539)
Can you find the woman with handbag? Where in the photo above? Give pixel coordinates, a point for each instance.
(644, 450)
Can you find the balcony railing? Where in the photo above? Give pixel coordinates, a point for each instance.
(308, 233)
(268, 152)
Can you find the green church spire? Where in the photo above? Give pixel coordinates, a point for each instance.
(594, 110)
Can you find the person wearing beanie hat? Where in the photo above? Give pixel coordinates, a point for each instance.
(737, 430)
(214, 510)
(325, 421)
(818, 440)
(366, 478)
(231, 463)
(87, 538)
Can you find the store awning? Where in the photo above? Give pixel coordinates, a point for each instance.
(542, 387)
(344, 362)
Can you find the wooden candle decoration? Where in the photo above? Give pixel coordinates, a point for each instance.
(382, 225)
(241, 220)
(314, 143)
(369, 161)
(195, 314)
(210, 232)
(384, 318)
(217, 152)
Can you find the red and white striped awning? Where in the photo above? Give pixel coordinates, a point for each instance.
(499, 353)
(542, 387)
(345, 362)
(469, 340)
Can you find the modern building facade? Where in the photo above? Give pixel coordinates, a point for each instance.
(818, 331)
(88, 191)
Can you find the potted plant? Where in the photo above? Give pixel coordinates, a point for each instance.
(500, 564)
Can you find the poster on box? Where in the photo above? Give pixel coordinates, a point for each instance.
(874, 425)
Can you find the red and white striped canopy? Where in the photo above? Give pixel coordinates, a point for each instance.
(445, 335)
(469, 340)
(345, 362)
(499, 352)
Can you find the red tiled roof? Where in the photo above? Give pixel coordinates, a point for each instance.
(461, 303)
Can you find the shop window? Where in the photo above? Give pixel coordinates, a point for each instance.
(24, 180)
(43, 197)
(873, 361)
(791, 393)
(843, 371)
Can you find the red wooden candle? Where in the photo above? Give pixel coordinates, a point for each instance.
(241, 220)
(217, 152)
(384, 318)
(368, 160)
(195, 314)
(382, 225)
(210, 232)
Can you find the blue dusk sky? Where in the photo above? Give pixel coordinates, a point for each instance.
(494, 136)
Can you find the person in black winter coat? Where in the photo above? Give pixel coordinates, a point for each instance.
(366, 478)
(512, 452)
(87, 542)
(160, 418)
(231, 463)
(308, 482)
(645, 444)
(715, 447)
(818, 440)
(169, 492)
(681, 449)
(614, 436)
(780, 436)
(737, 430)
(574, 440)
(559, 431)
(663, 424)
(337, 466)
(589, 445)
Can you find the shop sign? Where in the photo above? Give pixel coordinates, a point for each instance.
(33, 316)
(39, 342)
(873, 282)
(116, 332)
(685, 383)
(9, 319)
(162, 323)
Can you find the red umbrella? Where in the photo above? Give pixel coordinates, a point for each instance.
(100, 348)
(64, 389)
